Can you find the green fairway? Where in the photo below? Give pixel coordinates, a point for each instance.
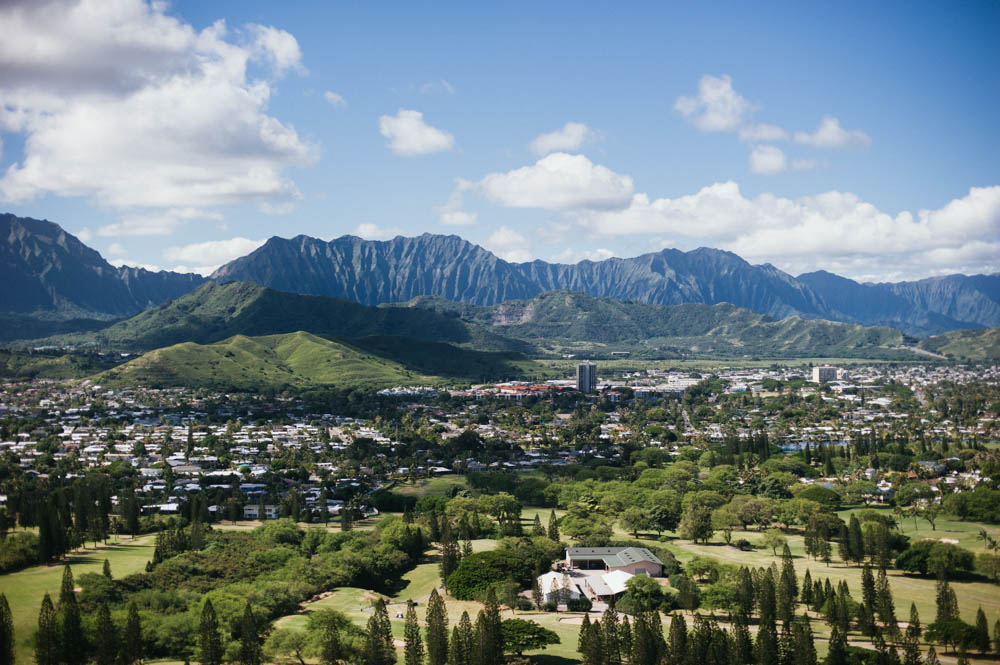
(436, 486)
(25, 588)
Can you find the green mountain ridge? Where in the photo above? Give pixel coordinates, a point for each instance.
(302, 359)
(562, 319)
(974, 345)
(214, 312)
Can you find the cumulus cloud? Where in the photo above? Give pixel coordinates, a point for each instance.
(558, 182)
(509, 245)
(334, 100)
(830, 134)
(120, 102)
(115, 249)
(156, 223)
(571, 255)
(570, 136)
(835, 230)
(717, 107)
(205, 257)
(767, 160)
(762, 132)
(452, 213)
(409, 135)
(132, 263)
(372, 231)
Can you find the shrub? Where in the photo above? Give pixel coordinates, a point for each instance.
(743, 545)
(581, 604)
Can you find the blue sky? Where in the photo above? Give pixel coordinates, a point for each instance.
(855, 137)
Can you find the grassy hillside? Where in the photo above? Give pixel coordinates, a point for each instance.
(300, 359)
(983, 344)
(215, 312)
(45, 365)
(561, 319)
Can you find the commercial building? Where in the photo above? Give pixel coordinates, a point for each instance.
(586, 377)
(824, 373)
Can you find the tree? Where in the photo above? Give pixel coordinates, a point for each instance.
(982, 639)
(884, 605)
(107, 570)
(285, 641)
(105, 638)
(802, 639)
(462, 642)
(451, 555)
(837, 654)
(47, 647)
(553, 530)
(489, 632)
(696, 523)
(378, 648)
(413, 651)
(855, 540)
(209, 637)
(437, 630)
(132, 645)
(520, 635)
(6, 632)
(634, 520)
(773, 539)
(250, 651)
(73, 639)
(947, 603)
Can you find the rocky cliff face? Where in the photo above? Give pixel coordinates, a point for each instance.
(49, 273)
(374, 272)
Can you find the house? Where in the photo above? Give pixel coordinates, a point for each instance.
(632, 560)
(251, 511)
(559, 587)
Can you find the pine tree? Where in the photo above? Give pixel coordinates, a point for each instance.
(947, 603)
(378, 648)
(6, 632)
(581, 637)
(868, 600)
(788, 571)
(837, 655)
(802, 639)
(437, 630)
(595, 654)
(911, 650)
(745, 593)
(132, 651)
(105, 638)
(648, 646)
(413, 651)
(913, 628)
(932, 658)
(332, 651)
(73, 639)
(885, 606)
(996, 637)
(785, 603)
(807, 589)
(742, 643)
(210, 639)
(625, 640)
(107, 570)
(553, 530)
(250, 651)
(677, 645)
(612, 639)
(537, 530)
(489, 636)
(461, 649)
(855, 539)
(536, 594)
(450, 554)
(47, 642)
(982, 635)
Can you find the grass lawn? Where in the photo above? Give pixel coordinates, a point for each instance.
(436, 486)
(25, 588)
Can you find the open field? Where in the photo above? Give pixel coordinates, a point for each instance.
(25, 588)
(436, 486)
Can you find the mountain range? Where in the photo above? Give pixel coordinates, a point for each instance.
(375, 272)
(55, 283)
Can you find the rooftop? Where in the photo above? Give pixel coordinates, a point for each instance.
(613, 557)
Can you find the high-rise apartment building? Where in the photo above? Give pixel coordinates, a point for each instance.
(586, 377)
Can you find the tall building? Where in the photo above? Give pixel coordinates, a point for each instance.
(824, 373)
(586, 377)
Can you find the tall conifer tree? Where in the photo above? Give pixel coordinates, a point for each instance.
(437, 630)
(209, 637)
(7, 652)
(413, 650)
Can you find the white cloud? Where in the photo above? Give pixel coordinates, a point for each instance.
(830, 134)
(335, 100)
(115, 249)
(371, 231)
(716, 107)
(437, 86)
(558, 182)
(119, 262)
(85, 235)
(156, 222)
(509, 245)
(205, 257)
(767, 160)
(120, 102)
(570, 255)
(409, 135)
(571, 136)
(762, 132)
(835, 230)
(452, 213)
